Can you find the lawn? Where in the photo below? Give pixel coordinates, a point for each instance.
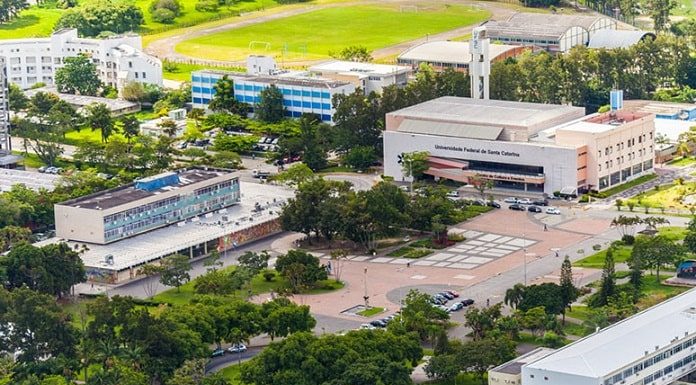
(596, 261)
(628, 185)
(673, 233)
(313, 35)
(87, 135)
(232, 374)
(30, 160)
(182, 72)
(373, 311)
(683, 161)
(668, 196)
(32, 22)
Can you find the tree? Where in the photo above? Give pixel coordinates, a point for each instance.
(11, 235)
(196, 114)
(481, 355)
(226, 159)
(312, 209)
(608, 282)
(626, 225)
(569, 292)
(547, 295)
(18, 101)
(414, 164)
(134, 92)
(514, 295)
(150, 271)
(175, 271)
(659, 11)
(224, 100)
(270, 108)
(295, 175)
(482, 321)
(337, 259)
(254, 261)
(353, 53)
(78, 76)
(418, 315)
(130, 126)
(168, 126)
(656, 252)
(653, 222)
(281, 317)
(99, 119)
(10, 9)
(193, 372)
(360, 158)
(358, 120)
(481, 185)
(314, 150)
(96, 17)
(533, 319)
(301, 269)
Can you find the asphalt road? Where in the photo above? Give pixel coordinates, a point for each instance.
(218, 363)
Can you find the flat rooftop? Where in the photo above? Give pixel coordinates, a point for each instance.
(450, 52)
(625, 342)
(146, 247)
(498, 113)
(30, 179)
(291, 79)
(658, 108)
(128, 193)
(83, 101)
(515, 366)
(358, 68)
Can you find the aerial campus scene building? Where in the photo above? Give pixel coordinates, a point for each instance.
(434, 192)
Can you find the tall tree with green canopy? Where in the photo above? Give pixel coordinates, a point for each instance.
(608, 281)
(270, 108)
(175, 271)
(569, 292)
(98, 118)
(224, 100)
(656, 252)
(78, 76)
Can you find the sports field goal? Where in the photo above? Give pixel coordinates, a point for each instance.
(408, 8)
(256, 43)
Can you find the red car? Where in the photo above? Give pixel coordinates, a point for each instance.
(454, 293)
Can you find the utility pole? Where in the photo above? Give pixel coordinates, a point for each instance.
(365, 296)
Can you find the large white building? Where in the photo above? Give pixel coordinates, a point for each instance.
(119, 59)
(368, 76)
(452, 54)
(654, 347)
(524, 146)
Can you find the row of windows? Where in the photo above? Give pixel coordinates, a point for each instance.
(257, 88)
(213, 188)
(654, 360)
(140, 209)
(297, 114)
(313, 105)
(624, 174)
(620, 146)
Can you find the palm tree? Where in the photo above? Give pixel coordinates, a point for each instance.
(514, 295)
(196, 114)
(133, 354)
(106, 351)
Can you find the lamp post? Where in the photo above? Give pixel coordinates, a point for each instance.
(524, 250)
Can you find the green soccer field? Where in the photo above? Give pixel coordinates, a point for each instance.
(31, 22)
(313, 35)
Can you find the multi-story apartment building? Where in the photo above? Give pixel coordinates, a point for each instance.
(654, 347)
(301, 94)
(147, 204)
(119, 59)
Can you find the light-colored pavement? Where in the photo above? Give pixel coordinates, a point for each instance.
(18, 145)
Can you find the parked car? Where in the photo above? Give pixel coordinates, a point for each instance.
(540, 202)
(218, 352)
(525, 201)
(443, 308)
(454, 293)
(478, 202)
(534, 209)
(453, 194)
(403, 188)
(467, 302)
(237, 348)
(438, 300)
(42, 169)
(182, 145)
(386, 320)
(456, 306)
(378, 324)
(493, 204)
(367, 327)
(517, 207)
(441, 297)
(553, 211)
(510, 200)
(446, 295)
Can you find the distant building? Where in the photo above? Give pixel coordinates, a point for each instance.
(453, 54)
(154, 128)
(119, 59)
(653, 347)
(368, 76)
(146, 204)
(521, 146)
(554, 33)
(7, 160)
(79, 102)
(301, 93)
(610, 39)
(510, 373)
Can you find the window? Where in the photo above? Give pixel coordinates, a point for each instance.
(130, 64)
(144, 76)
(306, 93)
(316, 94)
(136, 75)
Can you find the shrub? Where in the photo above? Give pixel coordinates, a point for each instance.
(596, 247)
(172, 5)
(584, 199)
(268, 275)
(207, 6)
(163, 15)
(65, 4)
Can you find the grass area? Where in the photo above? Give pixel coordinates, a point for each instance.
(668, 196)
(30, 160)
(182, 72)
(259, 285)
(655, 292)
(313, 35)
(410, 252)
(87, 135)
(373, 311)
(682, 162)
(579, 312)
(31, 22)
(628, 185)
(232, 374)
(673, 233)
(596, 260)
(462, 379)
(684, 8)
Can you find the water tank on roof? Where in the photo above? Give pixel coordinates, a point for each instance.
(158, 181)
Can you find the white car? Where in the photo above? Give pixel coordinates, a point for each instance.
(453, 194)
(525, 201)
(510, 200)
(367, 327)
(553, 211)
(237, 348)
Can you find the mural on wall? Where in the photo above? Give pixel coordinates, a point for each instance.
(248, 234)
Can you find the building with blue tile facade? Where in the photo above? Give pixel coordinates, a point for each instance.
(300, 94)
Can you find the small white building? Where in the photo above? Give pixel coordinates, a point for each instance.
(119, 59)
(368, 76)
(154, 127)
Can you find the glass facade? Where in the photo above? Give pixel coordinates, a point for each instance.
(170, 210)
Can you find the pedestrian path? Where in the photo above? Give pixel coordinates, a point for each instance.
(478, 249)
